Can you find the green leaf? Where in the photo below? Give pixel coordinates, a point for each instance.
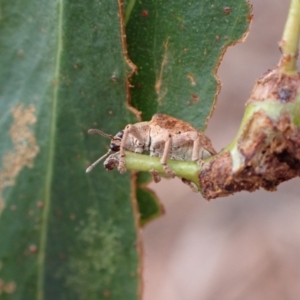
(148, 203)
(64, 234)
(177, 47)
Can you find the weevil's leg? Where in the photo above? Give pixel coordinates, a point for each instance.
(155, 175)
(161, 147)
(121, 167)
(199, 153)
(165, 156)
(129, 129)
(111, 162)
(196, 148)
(190, 184)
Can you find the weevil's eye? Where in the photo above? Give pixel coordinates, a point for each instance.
(120, 134)
(114, 147)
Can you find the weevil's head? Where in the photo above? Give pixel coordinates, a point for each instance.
(114, 145)
(116, 142)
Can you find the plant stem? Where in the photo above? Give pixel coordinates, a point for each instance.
(183, 169)
(290, 40)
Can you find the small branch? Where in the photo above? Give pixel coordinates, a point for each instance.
(290, 40)
(183, 169)
(266, 150)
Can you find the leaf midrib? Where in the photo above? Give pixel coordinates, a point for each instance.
(49, 168)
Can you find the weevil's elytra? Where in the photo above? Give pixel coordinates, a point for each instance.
(164, 136)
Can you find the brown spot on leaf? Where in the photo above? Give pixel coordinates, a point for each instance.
(158, 84)
(33, 249)
(40, 204)
(195, 98)
(25, 147)
(7, 287)
(132, 66)
(192, 79)
(107, 294)
(145, 13)
(227, 10)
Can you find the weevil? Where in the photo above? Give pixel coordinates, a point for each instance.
(164, 136)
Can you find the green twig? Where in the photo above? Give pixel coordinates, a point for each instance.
(183, 169)
(290, 40)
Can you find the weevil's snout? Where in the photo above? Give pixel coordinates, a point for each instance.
(116, 142)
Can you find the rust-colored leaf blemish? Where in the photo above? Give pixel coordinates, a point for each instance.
(250, 18)
(192, 79)
(25, 147)
(195, 98)
(131, 65)
(145, 13)
(158, 84)
(40, 205)
(227, 10)
(107, 294)
(7, 287)
(33, 249)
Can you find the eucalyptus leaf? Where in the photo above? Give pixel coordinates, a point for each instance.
(64, 234)
(177, 47)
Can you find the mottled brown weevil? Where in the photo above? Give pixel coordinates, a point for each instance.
(164, 136)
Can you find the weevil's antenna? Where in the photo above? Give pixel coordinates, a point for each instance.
(92, 131)
(91, 167)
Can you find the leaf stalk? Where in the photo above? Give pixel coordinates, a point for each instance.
(290, 40)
